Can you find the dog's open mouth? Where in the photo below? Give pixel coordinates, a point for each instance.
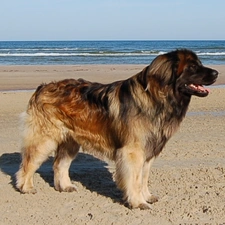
(197, 89)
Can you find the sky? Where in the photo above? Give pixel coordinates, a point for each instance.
(31, 20)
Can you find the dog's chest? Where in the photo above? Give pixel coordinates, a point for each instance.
(159, 132)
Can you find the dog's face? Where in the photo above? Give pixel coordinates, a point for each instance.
(184, 71)
(192, 75)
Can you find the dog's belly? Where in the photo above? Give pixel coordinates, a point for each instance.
(96, 139)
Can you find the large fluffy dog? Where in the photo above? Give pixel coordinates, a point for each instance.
(128, 121)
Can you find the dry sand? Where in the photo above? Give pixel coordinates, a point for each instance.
(188, 177)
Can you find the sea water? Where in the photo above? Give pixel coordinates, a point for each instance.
(103, 52)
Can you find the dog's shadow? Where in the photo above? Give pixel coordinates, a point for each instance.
(86, 169)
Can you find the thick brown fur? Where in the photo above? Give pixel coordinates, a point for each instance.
(128, 121)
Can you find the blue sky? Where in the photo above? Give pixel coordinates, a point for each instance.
(112, 20)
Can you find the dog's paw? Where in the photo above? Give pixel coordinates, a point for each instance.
(27, 190)
(152, 199)
(71, 188)
(144, 206)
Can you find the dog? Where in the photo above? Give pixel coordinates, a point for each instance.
(128, 121)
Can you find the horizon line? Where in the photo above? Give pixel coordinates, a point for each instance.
(42, 40)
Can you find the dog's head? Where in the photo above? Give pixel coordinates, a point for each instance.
(183, 70)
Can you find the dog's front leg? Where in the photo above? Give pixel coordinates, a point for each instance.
(145, 190)
(129, 174)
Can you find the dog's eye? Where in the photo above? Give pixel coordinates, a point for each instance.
(193, 67)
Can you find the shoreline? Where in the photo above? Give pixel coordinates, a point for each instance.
(29, 77)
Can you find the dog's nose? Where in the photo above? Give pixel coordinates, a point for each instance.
(214, 73)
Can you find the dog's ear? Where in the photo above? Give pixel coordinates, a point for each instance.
(180, 65)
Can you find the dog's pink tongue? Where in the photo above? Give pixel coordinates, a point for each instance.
(201, 88)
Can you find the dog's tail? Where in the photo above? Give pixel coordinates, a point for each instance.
(43, 118)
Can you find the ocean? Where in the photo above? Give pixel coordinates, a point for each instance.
(103, 52)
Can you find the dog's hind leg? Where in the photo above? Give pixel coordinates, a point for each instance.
(35, 151)
(129, 174)
(145, 191)
(65, 154)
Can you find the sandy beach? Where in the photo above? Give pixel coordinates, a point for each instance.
(188, 177)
